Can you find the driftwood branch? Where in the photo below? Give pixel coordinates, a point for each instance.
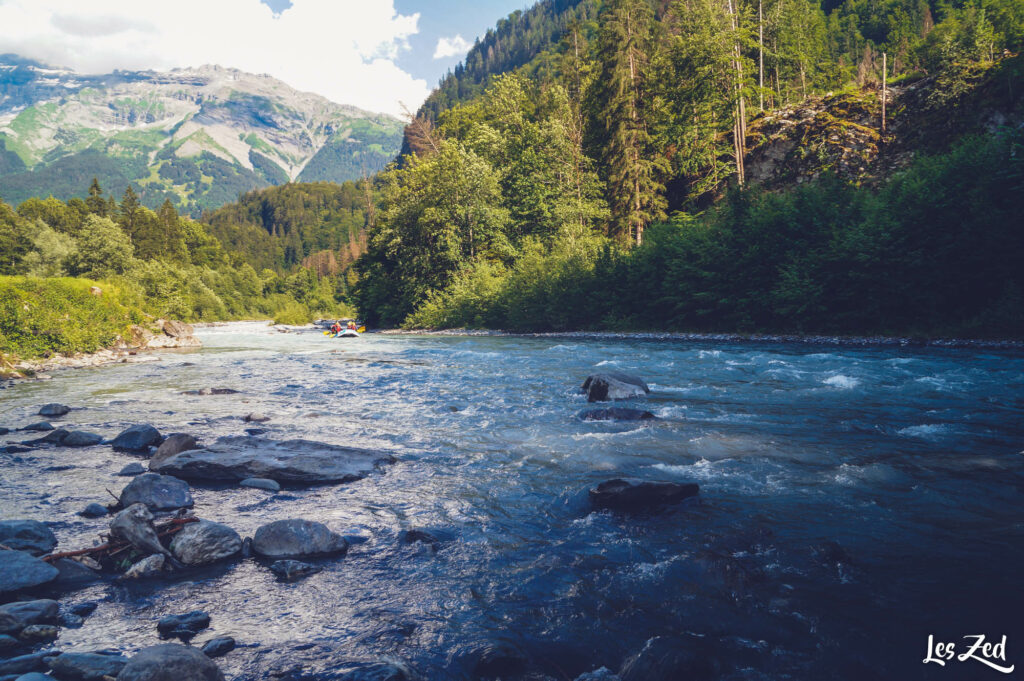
(114, 546)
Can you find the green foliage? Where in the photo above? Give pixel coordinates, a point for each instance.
(39, 317)
(103, 249)
(51, 252)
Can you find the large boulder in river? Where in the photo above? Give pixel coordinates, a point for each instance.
(615, 414)
(170, 662)
(294, 538)
(16, 616)
(137, 438)
(21, 570)
(613, 385)
(205, 542)
(174, 444)
(81, 438)
(27, 535)
(300, 462)
(176, 329)
(637, 496)
(157, 492)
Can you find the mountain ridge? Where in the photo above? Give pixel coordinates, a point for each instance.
(199, 136)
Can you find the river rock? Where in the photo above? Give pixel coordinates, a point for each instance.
(256, 417)
(53, 437)
(42, 425)
(293, 570)
(615, 414)
(86, 666)
(157, 492)
(4, 431)
(304, 462)
(613, 385)
(27, 535)
(295, 537)
(261, 483)
(137, 438)
(632, 495)
(183, 626)
(84, 609)
(93, 510)
(81, 438)
(134, 468)
(176, 329)
(147, 568)
(9, 645)
(53, 409)
(38, 633)
(205, 542)
(174, 444)
(218, 647)
(170, 662)
(74, 574)
(135, 526)
(211, 391)
(14, 617)
(24, 664)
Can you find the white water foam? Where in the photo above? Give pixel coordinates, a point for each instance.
(926, 431)
(841, 381)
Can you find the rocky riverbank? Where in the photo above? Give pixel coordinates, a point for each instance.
(162, 334)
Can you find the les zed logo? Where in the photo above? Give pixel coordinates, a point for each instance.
(980, 650)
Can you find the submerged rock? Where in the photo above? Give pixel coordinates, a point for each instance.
(211, 391)
(53, 437)
(53, 409)
(137, 438)
(174, 444)
(42, 425)
(615, 414)
(27, 535)
(631, 495)
(261, 483)
(218, 646)
(613, 385)
(256, 417)
(134, 468)
(183, 626)
(205, 542)
(81, 438)
(94, 510)
(147, 568)
(73, 574)
(157, 492)
(235, 458)
(14, 617)
(170, 662)
(293, 570)
(86, 666)
(295, 537)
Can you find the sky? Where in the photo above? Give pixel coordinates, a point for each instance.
(379, 55)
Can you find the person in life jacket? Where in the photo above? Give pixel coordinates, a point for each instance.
(352, 326)
(336, 327)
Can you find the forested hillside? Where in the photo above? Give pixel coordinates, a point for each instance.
(318, 225)
(528, 205)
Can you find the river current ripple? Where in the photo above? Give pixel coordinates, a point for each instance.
(854, 501)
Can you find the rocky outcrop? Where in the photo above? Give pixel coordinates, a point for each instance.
(296, 538)
(638, 496)
(170, 662)
(613, 385)
(27, 535)
(165, 334)
(205, 542)
(157, 492)
(298, 462)
(174, 444)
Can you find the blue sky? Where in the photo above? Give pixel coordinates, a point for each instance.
(379, 55)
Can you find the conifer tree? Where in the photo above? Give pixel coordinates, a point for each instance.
(96, 203)
(127, 212)
(621, 115)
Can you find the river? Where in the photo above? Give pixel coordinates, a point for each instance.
(853, 501)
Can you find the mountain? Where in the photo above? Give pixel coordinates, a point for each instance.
(199, 136)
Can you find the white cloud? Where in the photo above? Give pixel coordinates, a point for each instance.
(344, 50)
(451, 47)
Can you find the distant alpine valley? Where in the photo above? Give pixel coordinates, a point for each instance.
(197, 136)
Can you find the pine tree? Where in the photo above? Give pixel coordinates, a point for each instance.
(621, 116)
(96, 203)
(127, 212)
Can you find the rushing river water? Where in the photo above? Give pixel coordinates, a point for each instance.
(854, 501)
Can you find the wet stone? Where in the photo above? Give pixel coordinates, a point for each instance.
(184, 626)
(53, 409)
(27, 535)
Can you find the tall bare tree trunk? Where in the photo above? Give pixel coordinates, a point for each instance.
(760, 56)
(884, 73)
(740, 127)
